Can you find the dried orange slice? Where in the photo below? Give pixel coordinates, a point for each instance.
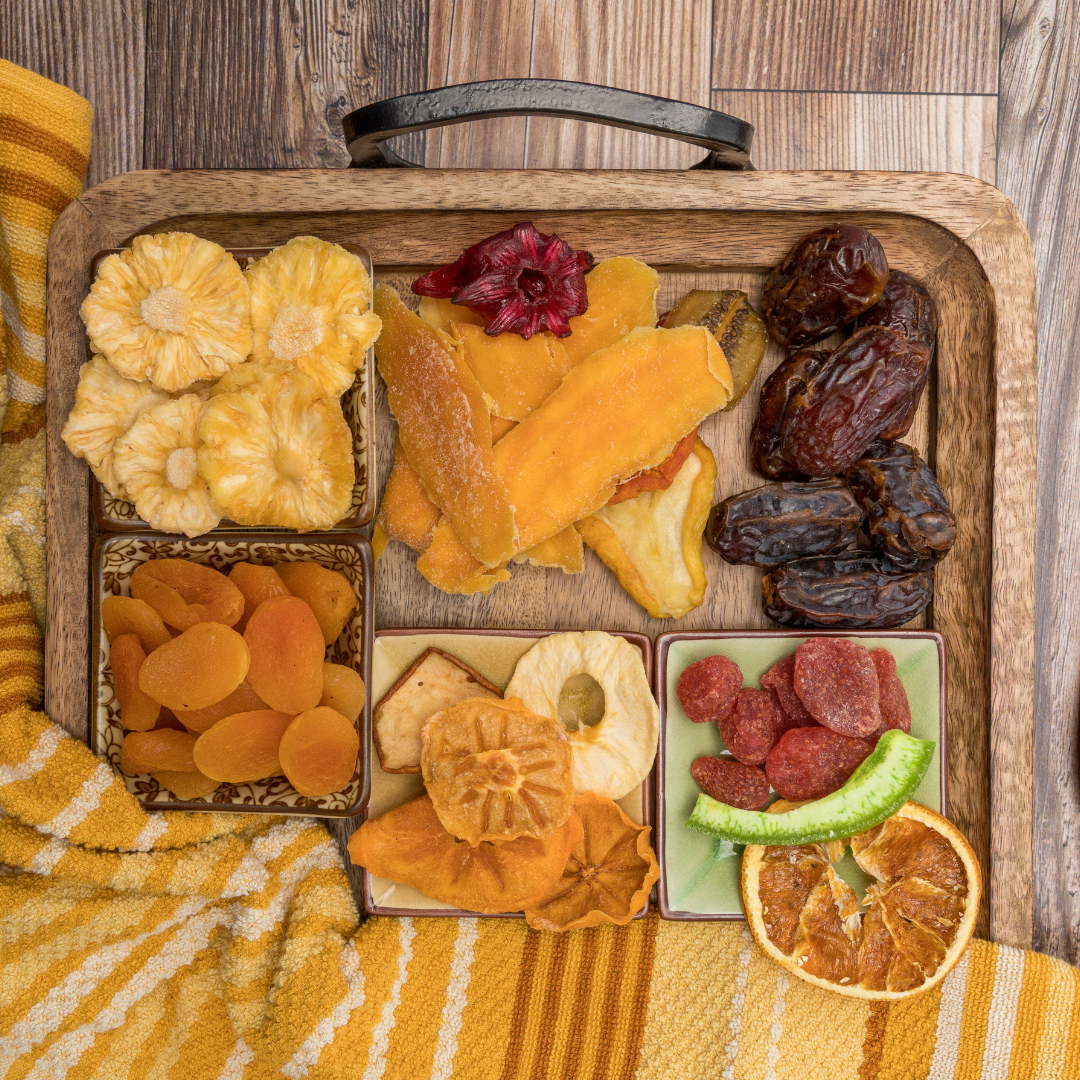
(409, 844)
(609, 874)
(914, 923)
(496, 771)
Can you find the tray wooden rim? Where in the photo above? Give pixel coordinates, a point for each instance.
(978, 217)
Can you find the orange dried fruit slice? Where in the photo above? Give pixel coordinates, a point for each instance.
(409, 844)
(609, 874)
(184, 593)
(496, 771)
(186, 785)
(912, 927)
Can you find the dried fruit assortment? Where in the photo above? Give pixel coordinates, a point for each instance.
(518, 813)
(214, 391)
(242, 692)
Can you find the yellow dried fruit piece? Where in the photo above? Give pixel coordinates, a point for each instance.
(406, 512)
(562, 551)
(164, 750)
(197, 669)
(174, 309)
(325, 591)
(309, 312)
(242, 699)
(184, 593)
(138, 711)
(495, 771)
(278, 452)
(609, 874)
(440, 313)
(106, 405)
(450, 566)
(444, 427)
(410, 845)
(186, 785)
(343, 691)
(242, 747)
(126, 615)
(652, 542)
(157, 461)
(318, 752)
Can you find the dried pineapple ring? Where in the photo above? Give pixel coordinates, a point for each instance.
(609, 874)
(157, 462)
(495, 771)
(309, 312)
(173, 309)
(106, 405)
(278, 453)
(612, 757)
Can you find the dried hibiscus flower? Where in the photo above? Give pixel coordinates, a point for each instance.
(520, 280)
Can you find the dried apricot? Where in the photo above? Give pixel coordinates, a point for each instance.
(157, 751)
(125, 615)
(138, 711)
(201, 666)
(318, 751)
(186, 785)
(326, 592)
(184, 593)
(287, 651)
(242, 699)
(168, 719)
(242, 747)
(343, 690)
(257, 583)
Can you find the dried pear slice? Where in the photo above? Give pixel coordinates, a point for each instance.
(652, 543)
(435, 680)
(609, 874)
(410, 845)
(495, 771)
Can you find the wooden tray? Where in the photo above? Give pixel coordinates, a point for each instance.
(962, 237)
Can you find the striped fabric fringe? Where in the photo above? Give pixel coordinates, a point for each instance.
(204, 946)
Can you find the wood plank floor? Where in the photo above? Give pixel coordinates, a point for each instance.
(986, 87)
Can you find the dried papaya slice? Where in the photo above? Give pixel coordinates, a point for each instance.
(609, 874)
(496, 771)
(410, 845)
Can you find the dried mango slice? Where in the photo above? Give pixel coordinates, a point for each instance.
(410, 845)
(563, 551)
(620, 411)
(517, 374)
(406, 513)
(496, 771)
(440, 313)
(609, 874)
(622, 296)
(449, 566)
(652, 543)
(444, 427)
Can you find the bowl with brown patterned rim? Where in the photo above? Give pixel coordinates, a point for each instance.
(115, 559)
(118, 515)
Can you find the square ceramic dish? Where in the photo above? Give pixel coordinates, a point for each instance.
(699, 875)
(494, 654)
(117, 515)
(115, 559)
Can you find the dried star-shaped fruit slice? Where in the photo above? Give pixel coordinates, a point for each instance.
(520, 279)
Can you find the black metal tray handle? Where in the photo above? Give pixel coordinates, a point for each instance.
(727, 138)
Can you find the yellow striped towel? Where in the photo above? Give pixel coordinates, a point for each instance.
(196, 946)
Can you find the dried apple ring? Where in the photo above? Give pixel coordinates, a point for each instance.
(495, 771)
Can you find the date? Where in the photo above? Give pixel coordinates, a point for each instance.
(850, 590)
(827, 280)
(910, 522)
(863, 389)
(790, 374)
(774, 524)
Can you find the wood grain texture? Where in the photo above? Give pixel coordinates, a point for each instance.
(928, 46)
(98, 48)
(1038, 157)
(905, 132)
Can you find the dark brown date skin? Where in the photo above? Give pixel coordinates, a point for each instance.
(864, 389)
(788, 376)
(910, 522)
(779, 522)
(906, 306)
(827, 280)
(851, 590)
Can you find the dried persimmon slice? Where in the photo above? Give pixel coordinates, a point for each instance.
(496, 771)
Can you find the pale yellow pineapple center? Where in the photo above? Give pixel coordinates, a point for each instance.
(166, 309)
(290, 463)
(296, 332)
(182, 467)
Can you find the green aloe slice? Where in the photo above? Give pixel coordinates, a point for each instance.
(876, 789)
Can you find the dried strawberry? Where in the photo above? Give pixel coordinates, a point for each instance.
(520, 279)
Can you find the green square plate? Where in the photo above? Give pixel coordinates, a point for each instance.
(699, 875)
